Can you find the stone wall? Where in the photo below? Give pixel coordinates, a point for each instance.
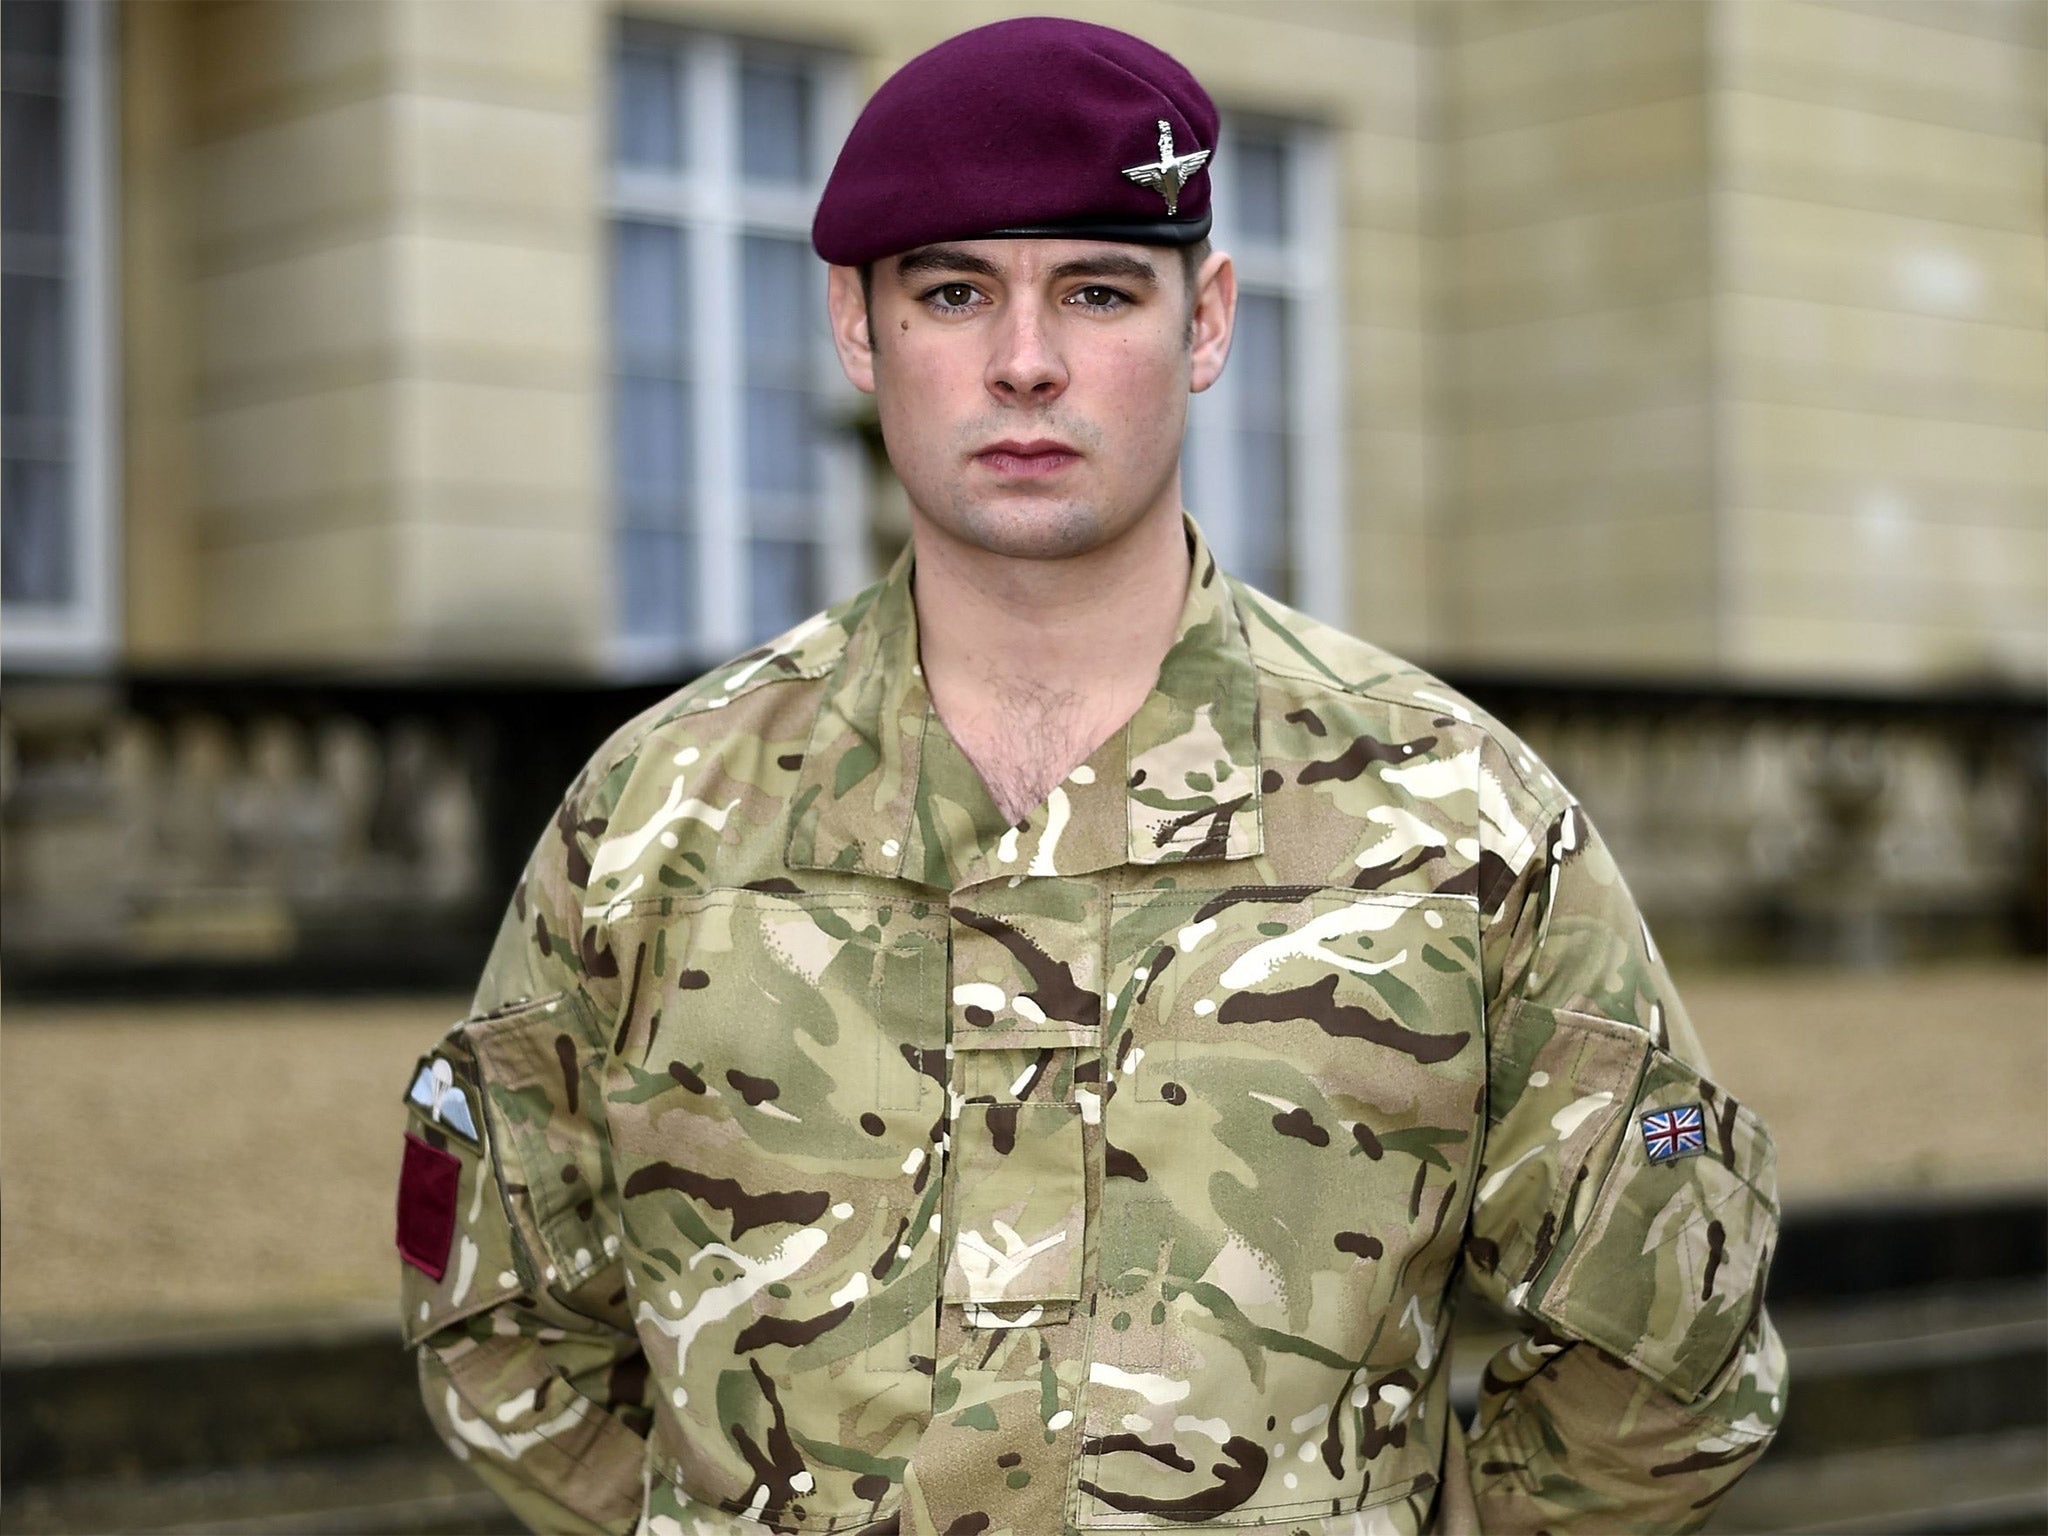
(1881, 339)
(1745, 329)
(363, 324)
(1686, 337)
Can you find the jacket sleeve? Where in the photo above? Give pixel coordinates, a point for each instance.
(528, 1361)
(1624, 1218)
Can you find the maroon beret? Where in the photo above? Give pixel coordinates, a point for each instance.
(1034, 127)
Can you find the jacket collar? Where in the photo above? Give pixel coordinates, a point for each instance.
(885, 791)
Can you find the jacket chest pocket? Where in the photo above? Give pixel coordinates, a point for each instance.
(775, 1108)
(1297, 1092)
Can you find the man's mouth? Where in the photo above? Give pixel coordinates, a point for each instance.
(1014, 459)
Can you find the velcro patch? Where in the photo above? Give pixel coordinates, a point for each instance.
(1669, 1134)
(427, 1186)
(435, 1093)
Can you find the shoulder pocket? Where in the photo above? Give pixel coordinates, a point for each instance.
(457, 1251)
(1667, 1266)
(541, 1104)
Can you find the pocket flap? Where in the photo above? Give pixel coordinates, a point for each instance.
(540, 1111)
(1019, 1206)
(1666, 1269)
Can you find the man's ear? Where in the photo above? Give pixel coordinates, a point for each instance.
(1214, 317)
(851, 336)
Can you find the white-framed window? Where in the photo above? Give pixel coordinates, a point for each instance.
(737, 483)
(1264, 465)
(59, 447)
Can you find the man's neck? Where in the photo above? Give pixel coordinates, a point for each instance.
(1033, 664)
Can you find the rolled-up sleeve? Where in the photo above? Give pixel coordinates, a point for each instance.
(1624, 1219)
(529, 1365)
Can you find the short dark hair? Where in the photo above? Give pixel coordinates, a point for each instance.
(1191, 259)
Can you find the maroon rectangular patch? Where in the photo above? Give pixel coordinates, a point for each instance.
(427, 1187)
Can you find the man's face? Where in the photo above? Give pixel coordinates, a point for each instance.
(1033, 393)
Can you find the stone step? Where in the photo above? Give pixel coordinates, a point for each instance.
(310, 1425)
(1934, 1365)
(1876, 1244)
(124, 1406)
(1983, 1484)
(418, 1492)
(1875, 1370)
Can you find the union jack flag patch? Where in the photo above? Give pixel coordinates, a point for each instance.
(1674, 1133)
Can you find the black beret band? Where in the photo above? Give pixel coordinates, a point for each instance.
(1133, 232)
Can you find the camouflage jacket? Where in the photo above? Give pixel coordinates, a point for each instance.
(826, 1154)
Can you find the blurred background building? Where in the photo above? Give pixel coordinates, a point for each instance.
(398, 393)
(471, 353)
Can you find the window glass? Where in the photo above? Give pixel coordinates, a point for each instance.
(38, 537)
(780, 341)
(647, 109)
(36, 564)
(651, 427)
(1250, 465)
(1259, 187)
(720, 355)
(658, 580)
(32, 139)
(649, 279)
(34, 364)
(33, 30)
(775, 122)
(782, 576)
(1264, 486)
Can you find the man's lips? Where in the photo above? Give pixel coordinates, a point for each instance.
(1024, 460)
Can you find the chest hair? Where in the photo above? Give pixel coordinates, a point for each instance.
(1024, 739)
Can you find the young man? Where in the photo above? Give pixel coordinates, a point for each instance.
(1032, 1049)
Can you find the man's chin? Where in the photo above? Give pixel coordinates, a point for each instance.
(1044, 532)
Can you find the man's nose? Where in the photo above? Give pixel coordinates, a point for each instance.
(1026, 367)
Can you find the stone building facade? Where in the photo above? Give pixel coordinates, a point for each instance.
(1697, 342)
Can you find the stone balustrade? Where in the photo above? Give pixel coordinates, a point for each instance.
(368, 834)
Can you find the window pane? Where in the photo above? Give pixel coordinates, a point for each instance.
(36, 555)
(783, 584)
(1264, 505)
(1264, 490)
(1258, 354)
(38, 536)
(33, 29)
(651, 443)
(657, 584)
(1259, 187)
(650, 274)
(32, 163)
(780, 330)
(775, 122)
(34, 379)
(781, 320)
(781, 443)
(647, 116)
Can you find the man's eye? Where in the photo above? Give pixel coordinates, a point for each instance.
(953, 295)
(1095, 296)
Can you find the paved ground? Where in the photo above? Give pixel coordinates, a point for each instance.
(177, 1164)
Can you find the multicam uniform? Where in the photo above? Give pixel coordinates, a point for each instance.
(893, 1168)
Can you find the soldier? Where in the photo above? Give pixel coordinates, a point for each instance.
(1031, 1049)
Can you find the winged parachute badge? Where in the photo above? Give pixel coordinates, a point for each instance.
(1170, 172)
(445, 1101)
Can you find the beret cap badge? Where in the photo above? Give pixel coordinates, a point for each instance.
(1170, 172)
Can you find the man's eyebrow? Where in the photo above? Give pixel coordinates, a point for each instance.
(1132, 269)
(944, 258)
(950, 258)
